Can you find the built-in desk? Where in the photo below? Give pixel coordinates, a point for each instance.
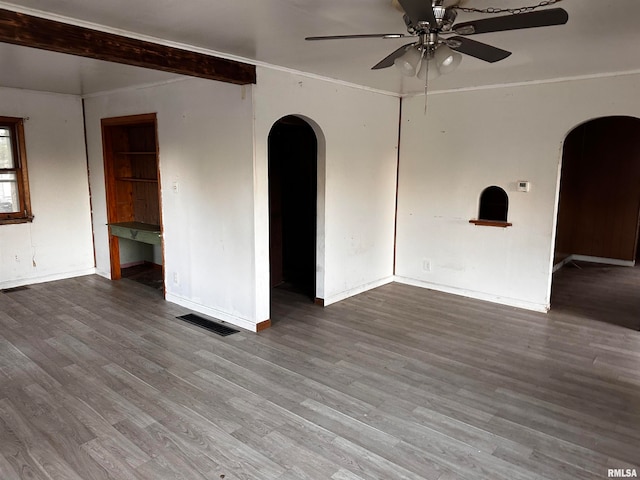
(137, 231)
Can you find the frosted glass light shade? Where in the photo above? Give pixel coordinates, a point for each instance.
(446, 59)
(433, 70)
(408, 62)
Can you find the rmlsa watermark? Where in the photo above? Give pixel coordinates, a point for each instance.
(622, 473)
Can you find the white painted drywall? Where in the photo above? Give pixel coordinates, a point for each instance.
(472, 139)
(57, 244)
(205, 139)
(358, 135)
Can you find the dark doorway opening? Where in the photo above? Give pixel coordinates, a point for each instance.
(598, 221)
(293, 149)
(599, 204)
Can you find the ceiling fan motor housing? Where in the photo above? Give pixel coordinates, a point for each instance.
(445, 18)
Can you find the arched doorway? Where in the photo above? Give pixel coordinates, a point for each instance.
(293, 193)
(598, 219)
(599, 203)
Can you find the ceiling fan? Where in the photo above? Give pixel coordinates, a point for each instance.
(429, 20)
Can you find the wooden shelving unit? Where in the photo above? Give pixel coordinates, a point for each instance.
(132, 181)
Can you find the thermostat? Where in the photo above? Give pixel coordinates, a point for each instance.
(524, 186)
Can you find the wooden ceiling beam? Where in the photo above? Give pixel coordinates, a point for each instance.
(30, 31)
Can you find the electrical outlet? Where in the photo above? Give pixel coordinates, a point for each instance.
(176, 278)
(426, 265)
(174, 187)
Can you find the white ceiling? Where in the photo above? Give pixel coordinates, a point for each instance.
(601, 37)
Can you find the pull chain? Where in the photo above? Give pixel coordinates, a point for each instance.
(514, 11)
(489, 10)
(425, 58)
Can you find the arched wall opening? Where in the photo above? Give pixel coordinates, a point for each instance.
(296, 179)
(494, 204)
(597, 223)
(599, 201)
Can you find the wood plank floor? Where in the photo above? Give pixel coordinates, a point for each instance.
(98, 380)
(599, 292)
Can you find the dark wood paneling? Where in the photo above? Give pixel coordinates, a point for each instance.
(30, 31)
(146, 204)
(600, 189)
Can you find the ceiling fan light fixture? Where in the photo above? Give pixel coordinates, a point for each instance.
(408, 62)
(428, 70)
(446, 59)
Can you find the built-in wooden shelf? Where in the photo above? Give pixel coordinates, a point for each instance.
(137, 231)
(491, 223)
(133, 187)
(131, 179)
(136, 153)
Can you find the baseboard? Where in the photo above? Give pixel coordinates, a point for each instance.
(562, 263)
(214, 313)
(132, 264)
(511, 302)
(46, 278)
(589, 258)
(328, 300)
(146, 263)
(606, 261)
(263, 325)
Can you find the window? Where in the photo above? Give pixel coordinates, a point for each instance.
(15, 206)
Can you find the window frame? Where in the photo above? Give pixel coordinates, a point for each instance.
(18, 144)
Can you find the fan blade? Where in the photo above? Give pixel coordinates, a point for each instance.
(363, 35)
(388, 60)
(541, 18)
(477, 49)
(419, 11)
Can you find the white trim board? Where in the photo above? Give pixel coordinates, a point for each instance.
(355, 291)
(21, 282)
(214, 313)
(510, 302)
(588, 258)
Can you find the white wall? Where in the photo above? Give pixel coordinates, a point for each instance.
(58, 243)
(205, 141)
(472, 139)
(358, 135)
(216, 231)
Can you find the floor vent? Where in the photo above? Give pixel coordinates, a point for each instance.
(14, 289)
(214, 327)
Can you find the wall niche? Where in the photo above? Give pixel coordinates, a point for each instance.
(133, 196)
